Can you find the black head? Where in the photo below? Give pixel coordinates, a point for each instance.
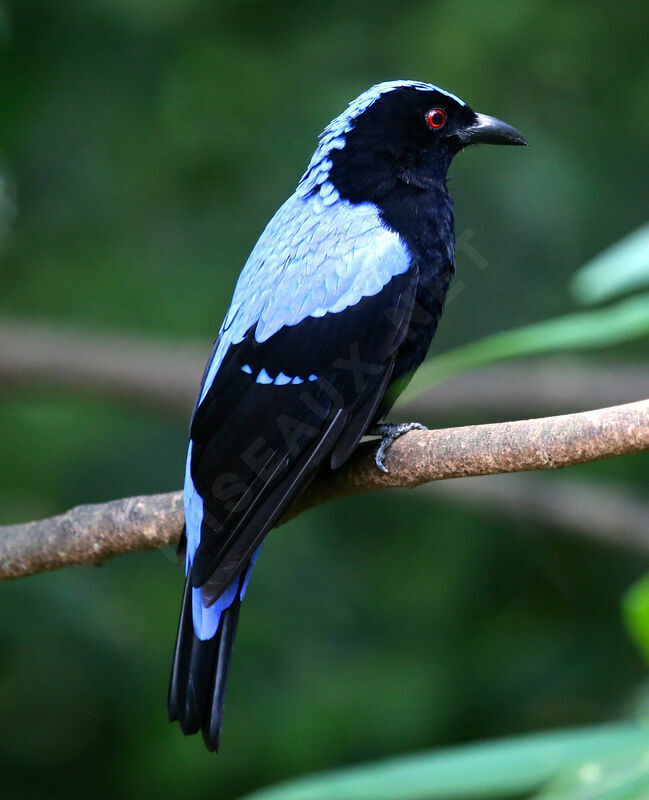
(403, 132)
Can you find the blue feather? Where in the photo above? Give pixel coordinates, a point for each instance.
(246, 577)
(206, 620)
(193, 503)
(310, 260)
(264, 377)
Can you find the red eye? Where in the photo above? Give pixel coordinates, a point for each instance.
(435, 118)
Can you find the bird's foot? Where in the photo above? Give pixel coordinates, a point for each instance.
(390, 432)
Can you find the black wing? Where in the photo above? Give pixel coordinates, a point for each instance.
(257, 443)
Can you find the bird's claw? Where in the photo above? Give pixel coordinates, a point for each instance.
(390, 432)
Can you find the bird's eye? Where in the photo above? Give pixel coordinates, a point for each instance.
(435, 118)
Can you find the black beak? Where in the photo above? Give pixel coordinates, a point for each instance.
(489, 130)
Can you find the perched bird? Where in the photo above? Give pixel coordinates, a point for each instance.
(334, 309)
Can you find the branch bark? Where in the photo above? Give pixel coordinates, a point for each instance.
(90, 534)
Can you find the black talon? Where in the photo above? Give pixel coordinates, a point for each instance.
(390, 432)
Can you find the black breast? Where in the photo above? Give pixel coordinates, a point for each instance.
(423, 217)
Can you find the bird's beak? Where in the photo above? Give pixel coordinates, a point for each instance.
(489, 130)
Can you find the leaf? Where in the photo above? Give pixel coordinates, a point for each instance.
(609, 779)
(635, 610)
(585, 330)
(618, 269)
(501, 769)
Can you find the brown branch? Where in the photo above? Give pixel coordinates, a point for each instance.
(535, 444)
(163, 375)
(91, 534)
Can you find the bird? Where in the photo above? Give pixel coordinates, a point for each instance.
(334, 309)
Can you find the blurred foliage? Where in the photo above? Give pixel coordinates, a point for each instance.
(143, 146)
(580, 764)
(636, 614)
(623, 778)
(620, 268)
(591, 330)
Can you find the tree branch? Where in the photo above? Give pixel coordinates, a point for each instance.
(91, 534)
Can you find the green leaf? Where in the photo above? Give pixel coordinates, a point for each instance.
(635, 610)
(618, 269)
(502, 769)
(609, 779)
(585, 330)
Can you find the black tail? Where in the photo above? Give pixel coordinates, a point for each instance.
(199, 673)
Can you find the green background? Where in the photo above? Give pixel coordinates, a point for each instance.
(143, 146)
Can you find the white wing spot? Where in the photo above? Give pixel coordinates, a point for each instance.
(263, 377)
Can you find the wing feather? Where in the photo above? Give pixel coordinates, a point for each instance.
(316, 286)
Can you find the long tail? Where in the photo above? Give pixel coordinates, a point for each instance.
(199, 672)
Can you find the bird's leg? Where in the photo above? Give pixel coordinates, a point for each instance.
(389, 432)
